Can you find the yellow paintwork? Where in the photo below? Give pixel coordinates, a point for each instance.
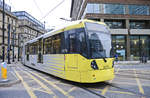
(78, 69)
(76, 26)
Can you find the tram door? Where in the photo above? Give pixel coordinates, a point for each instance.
(40, 51)
(27, 52)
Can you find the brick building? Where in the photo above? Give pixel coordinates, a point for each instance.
(129, 21)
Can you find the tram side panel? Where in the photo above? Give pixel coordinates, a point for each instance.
(54, 64)
(71, 67)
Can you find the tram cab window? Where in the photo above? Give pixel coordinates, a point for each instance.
(82, 46)
(72, 43)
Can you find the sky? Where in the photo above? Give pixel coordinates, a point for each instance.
(40, 9)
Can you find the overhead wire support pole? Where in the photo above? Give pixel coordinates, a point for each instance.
(13, 44)
(18, 46)
(3, 28)
(8, 48)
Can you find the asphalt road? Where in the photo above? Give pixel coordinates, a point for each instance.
(129, 82)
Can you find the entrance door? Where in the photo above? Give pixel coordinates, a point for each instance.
(40, 51)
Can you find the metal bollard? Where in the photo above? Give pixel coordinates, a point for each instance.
(4, 71)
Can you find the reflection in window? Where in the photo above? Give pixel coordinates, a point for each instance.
(138, 24)
(72, 43)
(138, 10)
(52, 45)
(82, 43)
(56, 44)
(93, 8)
(114, 9)
(115, 24)
(139, 46)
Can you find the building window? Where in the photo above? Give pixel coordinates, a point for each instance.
(114, 9)
(93, 8)
(140, 46)
(119, 46)
(138, 24)
(138, 10)
(115, 24)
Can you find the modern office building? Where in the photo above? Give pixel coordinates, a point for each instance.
(129, 21)
(11, 20)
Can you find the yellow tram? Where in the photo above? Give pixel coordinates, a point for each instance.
(77, 52)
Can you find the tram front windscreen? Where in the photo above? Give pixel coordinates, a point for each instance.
(99, 40)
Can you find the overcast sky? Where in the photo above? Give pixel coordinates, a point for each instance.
(40, 8)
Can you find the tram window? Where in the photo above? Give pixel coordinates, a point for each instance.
(48, 45)
(57, 44)
(72, 43)
(82, 43)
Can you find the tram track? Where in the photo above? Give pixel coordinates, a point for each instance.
(79, 85)
(89, 89)
(129, 76)
(127, 90)
(131, 72)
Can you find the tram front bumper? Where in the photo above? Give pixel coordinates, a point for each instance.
(97, 75)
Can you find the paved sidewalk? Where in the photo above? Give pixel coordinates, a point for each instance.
(11, 76)
(132, 65)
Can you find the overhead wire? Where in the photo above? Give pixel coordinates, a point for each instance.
(37, 6)
(52, 10)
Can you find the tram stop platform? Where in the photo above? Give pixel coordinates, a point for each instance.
(11, 76)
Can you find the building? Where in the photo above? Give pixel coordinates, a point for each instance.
(11, 20)
(129, 21)
(29, 27)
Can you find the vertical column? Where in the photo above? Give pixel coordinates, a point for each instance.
(128, 40)
(102, 20)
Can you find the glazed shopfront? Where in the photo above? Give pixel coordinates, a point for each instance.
(139, 46)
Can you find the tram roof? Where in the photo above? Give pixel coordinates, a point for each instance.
(68, 26)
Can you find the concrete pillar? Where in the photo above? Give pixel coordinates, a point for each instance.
(102, 20)
(128, 40)
(102, 8)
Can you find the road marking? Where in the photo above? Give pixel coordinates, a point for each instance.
(32, 95)
(126, 83)
(107, 87)
(138, 82)
(73, 88)
(52, 84)
(49, 91)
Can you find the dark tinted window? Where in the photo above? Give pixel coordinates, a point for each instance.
(72, 43)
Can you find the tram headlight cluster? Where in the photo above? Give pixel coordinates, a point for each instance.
(94, 65)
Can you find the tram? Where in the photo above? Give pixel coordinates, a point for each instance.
(78, 52)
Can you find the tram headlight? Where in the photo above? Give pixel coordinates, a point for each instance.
(94, 65)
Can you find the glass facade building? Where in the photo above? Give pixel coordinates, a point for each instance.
(117, 9)
(93, 8)
(114, 9)
(129, 23)
(138, 10)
